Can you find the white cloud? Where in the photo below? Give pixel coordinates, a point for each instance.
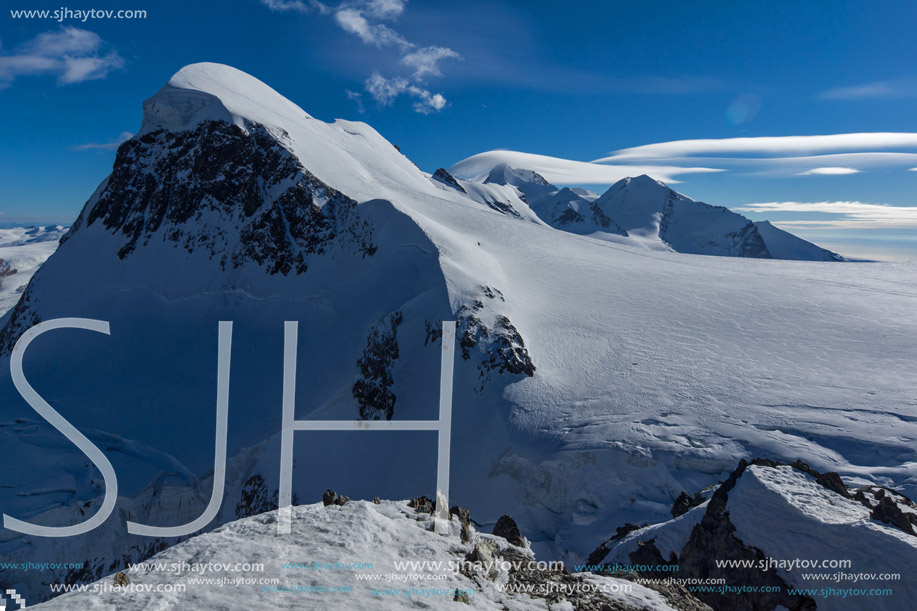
(73, 55)
(829, 171)
(385, 9)
(352, 21)
(854, 214)
(913, 170)
(782, 155)
(768, 145)
(567, 171)
(428, 103)
(363, 18)
(426, 60)
(106, 146)
(385, 90)
(357, 99)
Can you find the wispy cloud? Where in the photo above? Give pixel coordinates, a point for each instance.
(71, 54)
(357, 99)
(829, 171)
(353, 21)
(384, 91)
(852, 214)
(105, 146)
(366, 19)
(834, 154)
(425, 61)
(769, 145)
(901, 88)
(568, 171)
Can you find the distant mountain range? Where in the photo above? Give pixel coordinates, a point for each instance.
(643, 212)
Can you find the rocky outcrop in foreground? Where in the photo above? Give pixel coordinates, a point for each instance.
(746, 534)
(366, 555)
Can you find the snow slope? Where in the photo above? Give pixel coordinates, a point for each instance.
(567, 210)
(335, 551)
(793, 520)
(501, 197)
(597, 380)
(784, 245)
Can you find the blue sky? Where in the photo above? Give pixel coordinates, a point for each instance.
(725, 84)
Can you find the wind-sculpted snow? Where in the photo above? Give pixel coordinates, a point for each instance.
(603, 378)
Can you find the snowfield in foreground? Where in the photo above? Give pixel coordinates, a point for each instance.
(346, 557)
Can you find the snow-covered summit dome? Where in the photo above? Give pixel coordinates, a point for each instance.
(210, 91)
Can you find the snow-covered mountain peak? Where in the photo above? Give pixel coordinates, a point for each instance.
(644, 181)
(642, 191)
(506, 175)
(209, 91)
(649, 210)
(532, 184)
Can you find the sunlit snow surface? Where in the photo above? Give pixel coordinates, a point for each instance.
(23, 249)
(656, 371)
(375, 537)
(789, 517)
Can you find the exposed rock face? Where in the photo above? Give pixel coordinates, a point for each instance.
(484, 554)
(464, 518)
(121, 579)
(506, 527)
(5, 270)
(887, 511)
(886, 506)
(743, 241)
(422, 504)
(448, 179)
(557, 585)
(714, 539)
(504, 347)
(238, 196)
(330, 497)
(714, 547)
(685, 502)
(256, 498)
(830, 480)
(22, 318)
(569, 211)
(374, 391)
(599, 553)
(502, 207)
(188, 187)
